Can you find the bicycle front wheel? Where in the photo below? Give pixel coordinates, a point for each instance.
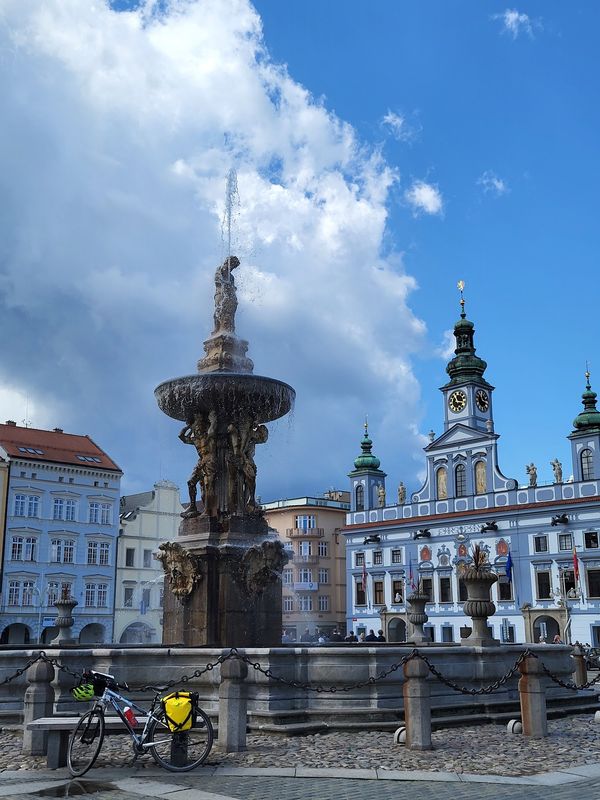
(85, 742)
(180, 752)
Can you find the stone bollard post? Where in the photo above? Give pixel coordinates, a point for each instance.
(580, 670)
(38, 702)
(532, 695)
(232, 706)
(417, 705)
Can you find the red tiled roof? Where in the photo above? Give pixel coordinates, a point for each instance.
(63, 448)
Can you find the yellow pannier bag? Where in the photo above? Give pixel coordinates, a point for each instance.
(180, 710)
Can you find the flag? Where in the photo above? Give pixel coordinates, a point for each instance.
(411, 579)
(509, 566)
(575, 565)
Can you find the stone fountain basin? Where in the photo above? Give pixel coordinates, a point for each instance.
(264, 399)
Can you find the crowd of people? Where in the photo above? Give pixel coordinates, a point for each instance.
(332, 637)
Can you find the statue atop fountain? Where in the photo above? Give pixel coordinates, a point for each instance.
(234, 596)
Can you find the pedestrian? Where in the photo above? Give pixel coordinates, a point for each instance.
(371, 636)
(557, 639)
(306, 637)
(336, 636)
(380, 636)
(361, 636)
(351, 637)
(542, 639)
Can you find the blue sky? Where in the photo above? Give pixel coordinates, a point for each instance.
(383, 153)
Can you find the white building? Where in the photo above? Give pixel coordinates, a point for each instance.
(147, 519)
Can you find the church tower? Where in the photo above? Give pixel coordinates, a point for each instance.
(367, 480)
(585, 439)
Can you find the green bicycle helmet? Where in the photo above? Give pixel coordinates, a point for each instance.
(83, 692)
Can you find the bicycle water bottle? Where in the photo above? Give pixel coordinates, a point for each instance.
(130, 716)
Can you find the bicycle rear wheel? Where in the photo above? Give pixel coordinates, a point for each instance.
(85, 742)
(180, 752)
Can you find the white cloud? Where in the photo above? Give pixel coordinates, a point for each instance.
(515, 23)
(112, 169)
(492, 184)
(424, 197)
(445, 350)
(400, 126)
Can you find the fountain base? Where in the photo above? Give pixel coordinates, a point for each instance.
(234, 597)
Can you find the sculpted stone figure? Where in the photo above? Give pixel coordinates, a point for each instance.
(225, 296)
(531, 470)
(182, 569)
(401, 494)
(381, 495)
(202, 433)
(251, 436)
(557, 469)
(261, 565)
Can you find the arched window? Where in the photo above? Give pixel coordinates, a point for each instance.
(587, 465)
(480, 478)
(360, 497)
(442, 483)
(460, 480)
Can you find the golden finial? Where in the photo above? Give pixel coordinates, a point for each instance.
(587, 376)
(461, 286)
(366, 425)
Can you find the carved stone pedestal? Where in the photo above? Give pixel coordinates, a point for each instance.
(223, 588)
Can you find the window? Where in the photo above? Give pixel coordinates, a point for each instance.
(587, 465)
(105, 514)
(147, 558)
(128, 597)
(568, 581)
(305, 603)
(58, 509)
(460, 480)
(57, 590)
(96, 595)
(305, 549)
(305, 522)
(462, 591)
(20, 594)
(20, 504)
(288, 604)
(63, 551)
(565, 541)
(540, 544)
(145, 600)
(427, 586)
(92, 553)
(396, 556)
(305, 575)
(323, 602)
(27, 505)
(360, 594)
(23, 548)
(441, 480)
(288, 577)
(397, 591)
(323, 576)
(445, 590)
(70, 510)
(504, 589)
(129, 556)
(447, 633)
(323, 549)
(378, 599)
(544, 590)
(359, 494)
(591, 540)
(378, 557)
(27, 598)
(14, 593)
(480, 478)
(94, 512)
(359, 559)
(104, 556)
(593, 582)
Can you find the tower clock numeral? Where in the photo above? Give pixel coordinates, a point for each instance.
(482, 400)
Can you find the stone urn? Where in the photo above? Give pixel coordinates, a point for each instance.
(479, 579)
(417, 616)
(64, 621)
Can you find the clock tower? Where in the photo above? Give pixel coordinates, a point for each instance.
(467, 395)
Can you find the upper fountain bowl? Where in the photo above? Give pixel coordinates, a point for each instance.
(263, 399)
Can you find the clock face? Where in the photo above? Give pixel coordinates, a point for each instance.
(457, 401)
(482, 400)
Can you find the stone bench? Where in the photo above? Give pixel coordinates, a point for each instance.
(59, 730)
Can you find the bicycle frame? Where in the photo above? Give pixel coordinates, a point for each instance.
(115, 700)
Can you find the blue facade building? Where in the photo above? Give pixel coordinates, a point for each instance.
(60, 524)
(551, 531)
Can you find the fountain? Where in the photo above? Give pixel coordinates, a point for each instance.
(223, 573)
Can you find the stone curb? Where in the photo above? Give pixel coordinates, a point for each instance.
(162, 783)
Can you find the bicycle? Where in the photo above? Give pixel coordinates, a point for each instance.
(176, 751)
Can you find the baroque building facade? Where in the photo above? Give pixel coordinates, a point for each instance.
(60, 529)
(314, 579)
(147, 519)
(551, 531)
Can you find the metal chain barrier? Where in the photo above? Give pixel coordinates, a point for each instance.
(319, 688)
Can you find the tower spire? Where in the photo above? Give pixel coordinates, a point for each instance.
(590, 416)
(465, 366)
